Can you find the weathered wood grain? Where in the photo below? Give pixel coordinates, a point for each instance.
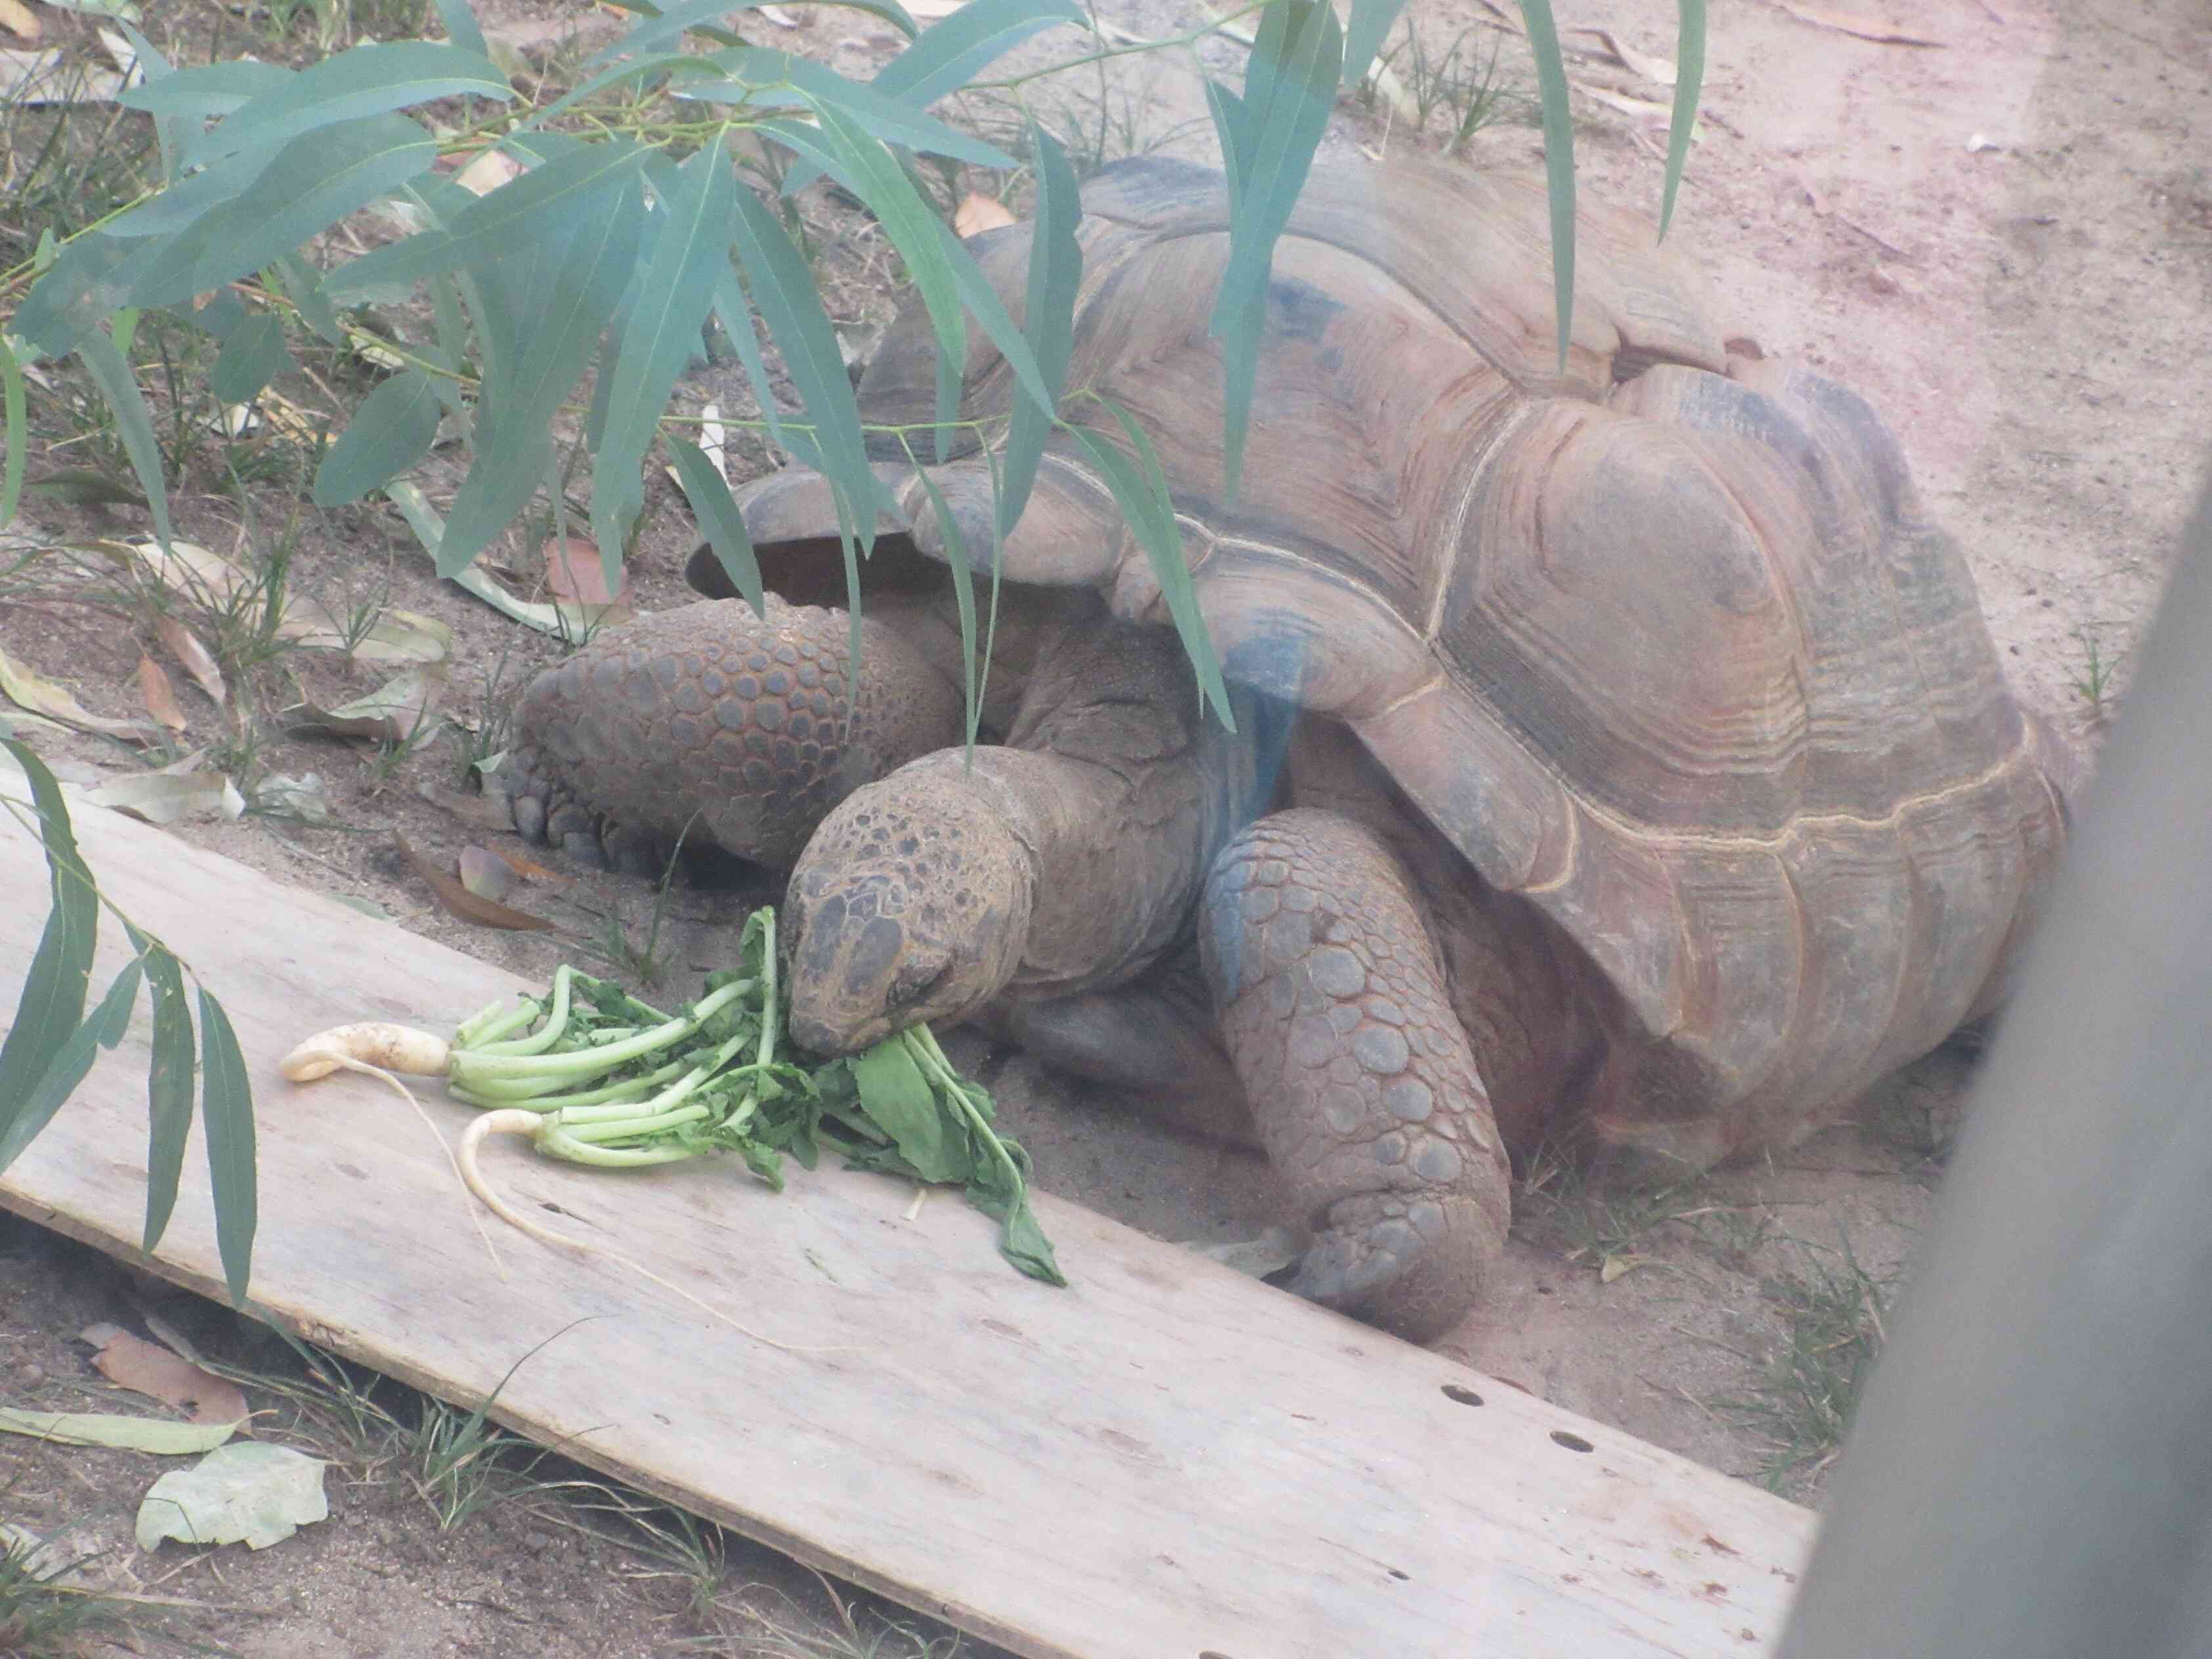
(1163, 1461)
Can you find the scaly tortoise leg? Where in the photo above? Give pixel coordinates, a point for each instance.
(1362, 1080)
(710, 723)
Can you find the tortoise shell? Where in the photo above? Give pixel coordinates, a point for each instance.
(1664, 643)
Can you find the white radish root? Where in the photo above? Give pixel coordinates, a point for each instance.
(373, 1043)
(515, 1122)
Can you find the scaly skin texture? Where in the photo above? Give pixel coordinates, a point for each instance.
(743, 729)
(1336, 1012)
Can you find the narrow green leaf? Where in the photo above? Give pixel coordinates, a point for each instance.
(563, 288)
(1689, 79)
(1289, 91)
(102, 1029)
(88, 283)
(212, 89)
(493, 226)
(393, 429)
(252, 356)
(14, 435)
(134, 423)
(758, 74)
(173, 133)
(168, 1089)
(951, 52)
(1141, 491)
(227, 1116)
(642, 69)
(61, 969)
(189, 197)
(737, 318)
(302, 284)
(718, 517)
(676, 289)
(1227, 109)
(1559, 160)
(1055, 274)
(368, 80)
(308, 188)
(783, 291)
(1364, 35)
(963, 599)
(899, 1101)
(462, 27)
(665, 24)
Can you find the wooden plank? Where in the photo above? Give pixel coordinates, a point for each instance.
(1163, 1461)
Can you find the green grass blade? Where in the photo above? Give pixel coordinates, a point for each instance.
(168, 1088)
(102, 1029)
(54, 991)
(226, 1113)
(718, 516)
(1055, 274)
(393, 429)
(1559, 160)
(1364, 35)
(1140, 490)
(675, 291)
(492, 227)
(462, 27)
(1689, 79)
(253, 354)
(133, 422)
(365, 81)
(15, 433)
(1289, 91)
(308, 188)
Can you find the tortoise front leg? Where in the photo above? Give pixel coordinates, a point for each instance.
(711, 723)
(1363, 1084)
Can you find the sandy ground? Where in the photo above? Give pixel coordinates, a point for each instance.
(2004, 240)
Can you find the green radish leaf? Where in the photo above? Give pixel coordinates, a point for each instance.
(1559, 159)
(1289, 90)
(563, 288)
(305, 191)
(718, 516)
(492, 227)
(362, 81)
(252, 356)
(1140, 488)
(1363, 36)
(1022, 1241)
(168, 1088)
(899, 1101)
(226, 1114)
(461, 27)
(1055, 275)
(1689, 78)
(14, 434)
(783, 291)
(393, 429)
(103, 1028)
(676, 289)
(133, 422)
(54, 991)
(212, 89)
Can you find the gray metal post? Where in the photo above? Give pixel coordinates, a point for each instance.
(2031, 1474)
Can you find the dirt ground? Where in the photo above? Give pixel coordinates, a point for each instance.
(2004, 239)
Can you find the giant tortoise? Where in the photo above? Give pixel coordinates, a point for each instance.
(1621, 751)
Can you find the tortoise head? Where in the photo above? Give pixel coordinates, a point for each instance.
(911, 903)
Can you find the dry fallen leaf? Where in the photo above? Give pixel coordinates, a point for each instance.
(978, 213)
(392, 713)
(532, 870)
(460, 902)
(158, 694)
(490, 169)
(195, 573)
(42, 696)
(575, 575)
(133, 1362)
(20, 20)
(169, 795)
(484, 873)
(198, 661)
(1865, 29)
(1636, 62)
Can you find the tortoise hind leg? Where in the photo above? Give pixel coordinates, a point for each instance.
(1336, 1013)
(714, 725)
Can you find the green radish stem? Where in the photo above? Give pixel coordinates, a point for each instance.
(475, 1068)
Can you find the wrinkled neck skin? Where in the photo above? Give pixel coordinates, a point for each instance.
(1069, 859)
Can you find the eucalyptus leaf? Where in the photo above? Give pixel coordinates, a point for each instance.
(134, 422)
(1364, 35)
(102, 1028)
(60, 977)
(145, 1434)
(13, 431)
(718, 516)
(253, 354)
(393, 429)
(949, 54)
(168, 1089)
(210, 89)
(1559, 159)
(227, 1116)
(1048, 323)
(1689, 80)
(462, 27)
(368, 80)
